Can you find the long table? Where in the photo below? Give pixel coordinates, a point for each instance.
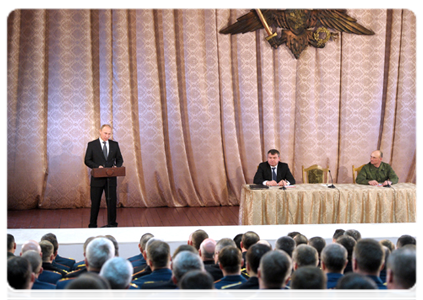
(318, 204)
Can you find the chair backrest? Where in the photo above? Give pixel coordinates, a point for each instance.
(315, 174)
(355, 172)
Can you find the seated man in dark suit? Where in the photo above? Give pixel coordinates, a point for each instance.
(273, 172)
(403, 274)
(18, 278)
(35, 261)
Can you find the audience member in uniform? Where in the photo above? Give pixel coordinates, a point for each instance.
(138, 261)
(355, 281)
(230, 262)
(99, 250)
(158, 259)
(334, 261)
(317, 243)
(81, 264)
(382, 274)
(214, 269)
(308, 278)
(118, 272)
(300, 239)
(183, 263)
(237, 240)
(337, 234)
(387, 243)
(196, 280)
(206, 251)
(293, 234)
(349, 243)
(64, 263)
(35, 261)
(11, 245)
(285, 243)
(47, 250)
(30, 245)
(254, 254)
(19, 273)
(368, 258)
(304, 255)
(405, 240)
(401, 268)
(149, 288)
(355, 234)
(115, 243)
(196, 238)
(248, 239)
(88, 281)
(274, 270)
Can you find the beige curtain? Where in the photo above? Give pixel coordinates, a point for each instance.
(195, 111)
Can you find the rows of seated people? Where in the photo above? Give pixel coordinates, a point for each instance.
(243, 262)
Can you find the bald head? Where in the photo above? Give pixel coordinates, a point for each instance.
(376, 158)
(206, 250)
(31, 245)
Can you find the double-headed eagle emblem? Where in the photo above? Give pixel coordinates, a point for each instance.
(300, 27)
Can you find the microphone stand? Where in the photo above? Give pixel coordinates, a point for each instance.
(331, 186)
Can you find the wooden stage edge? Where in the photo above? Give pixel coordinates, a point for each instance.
(71, 239)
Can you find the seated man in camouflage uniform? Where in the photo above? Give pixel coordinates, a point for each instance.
(377, 172)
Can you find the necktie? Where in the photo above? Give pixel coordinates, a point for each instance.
(274, 174)
(105, 150)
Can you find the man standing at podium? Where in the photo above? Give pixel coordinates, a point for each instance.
(103, 153)
(273, 172)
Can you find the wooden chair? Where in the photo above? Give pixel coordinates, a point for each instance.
(355, 172)
(315, 174)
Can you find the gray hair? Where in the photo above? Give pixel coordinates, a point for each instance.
(186, 261)
(118, 271)
(99, 250)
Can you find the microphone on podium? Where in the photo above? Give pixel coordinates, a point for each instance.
(331, 179)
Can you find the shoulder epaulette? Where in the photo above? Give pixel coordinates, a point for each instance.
(231, 285)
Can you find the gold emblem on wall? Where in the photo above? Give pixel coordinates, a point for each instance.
(300, 27)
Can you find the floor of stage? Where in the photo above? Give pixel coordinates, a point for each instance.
(126, 217)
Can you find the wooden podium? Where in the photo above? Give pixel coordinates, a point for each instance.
(108, 172)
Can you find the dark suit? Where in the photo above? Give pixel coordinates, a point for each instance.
(93, 159)
(252, 283)
(264, 172)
